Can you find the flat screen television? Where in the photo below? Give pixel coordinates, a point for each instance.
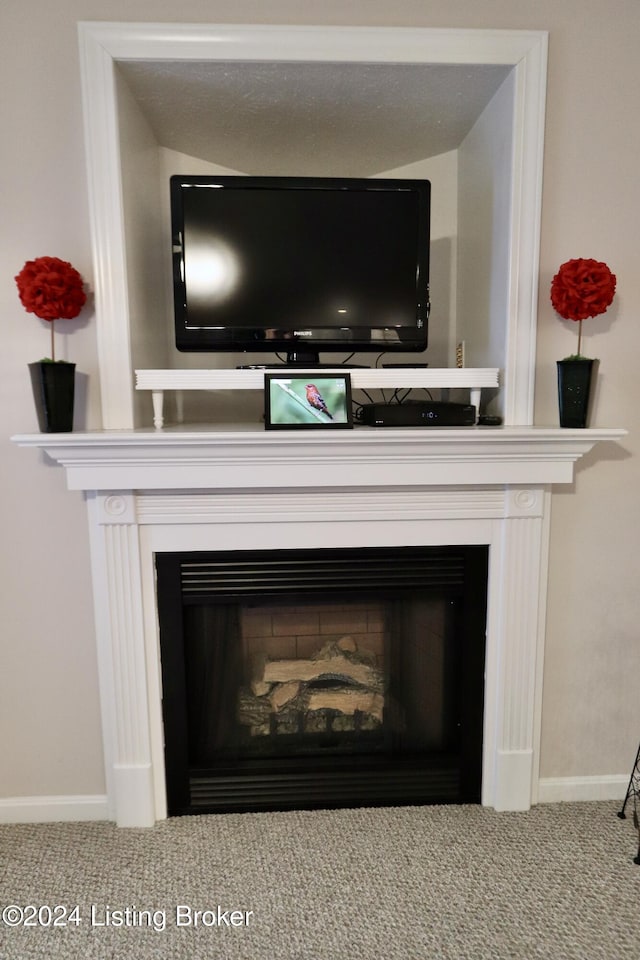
(300, 265)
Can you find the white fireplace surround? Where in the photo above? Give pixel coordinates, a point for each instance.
(175, 490)
(149, 491)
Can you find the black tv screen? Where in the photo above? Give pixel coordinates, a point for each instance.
(300, 265)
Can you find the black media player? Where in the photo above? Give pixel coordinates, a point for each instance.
(418, 413)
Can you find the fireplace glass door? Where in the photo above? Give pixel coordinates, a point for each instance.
(299, 679)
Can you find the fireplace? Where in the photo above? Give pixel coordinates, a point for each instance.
(246, 489)
(308, 678)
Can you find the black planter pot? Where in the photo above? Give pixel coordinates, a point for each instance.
(53, 391)
(574, 387)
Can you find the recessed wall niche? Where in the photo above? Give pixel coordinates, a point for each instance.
(463, 108)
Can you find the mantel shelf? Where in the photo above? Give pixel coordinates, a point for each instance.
(247, 457)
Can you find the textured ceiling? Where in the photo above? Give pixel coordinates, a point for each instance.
(311, 119)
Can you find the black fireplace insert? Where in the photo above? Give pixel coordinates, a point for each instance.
(298, 679)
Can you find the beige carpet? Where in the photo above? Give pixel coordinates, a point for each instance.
(410, 883)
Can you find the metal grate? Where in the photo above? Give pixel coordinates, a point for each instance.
(300, 789)
(238, 575)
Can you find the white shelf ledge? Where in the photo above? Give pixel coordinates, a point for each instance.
(368, 377)
(473, 379)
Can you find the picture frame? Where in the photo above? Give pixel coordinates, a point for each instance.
(307, 401)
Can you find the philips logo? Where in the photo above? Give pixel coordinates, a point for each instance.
(302, 333)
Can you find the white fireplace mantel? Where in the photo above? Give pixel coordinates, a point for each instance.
(237, 458)
(233, 489)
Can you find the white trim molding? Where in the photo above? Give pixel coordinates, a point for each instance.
(574, 789)
(104, 45)
(71, 809)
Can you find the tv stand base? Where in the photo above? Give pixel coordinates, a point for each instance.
(467, 378)
(302, 366)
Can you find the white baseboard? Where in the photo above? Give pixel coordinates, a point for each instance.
(53, 809)
(95, 807)
(568, 789)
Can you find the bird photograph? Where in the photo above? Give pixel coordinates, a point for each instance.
(300, 401)
(316, 400)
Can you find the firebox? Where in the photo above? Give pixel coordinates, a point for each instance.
(322, 678)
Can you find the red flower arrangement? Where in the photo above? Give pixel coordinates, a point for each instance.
(581, 289)
(52, 289)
